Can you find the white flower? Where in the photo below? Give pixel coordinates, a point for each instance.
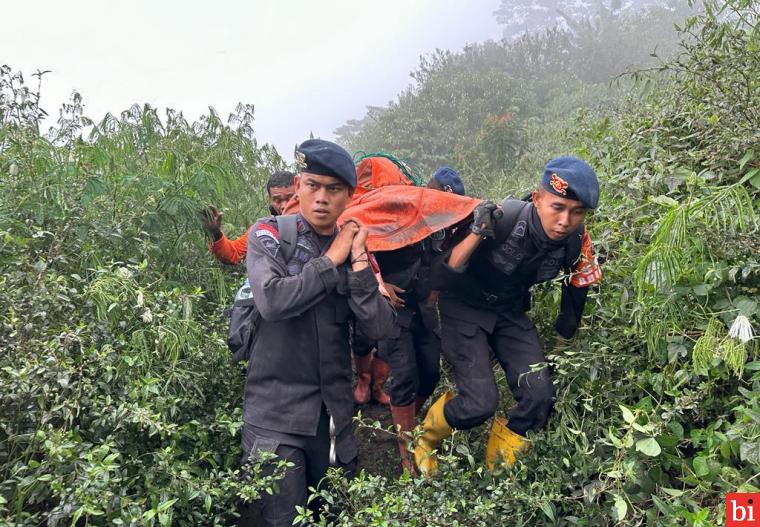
(13, 170)
(741, 329)
(125, 273)
(140, 299)
(147, 316)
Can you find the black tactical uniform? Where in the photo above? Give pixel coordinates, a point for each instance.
(299, 376)
(413, 352)
(483, 303)
(483, 308)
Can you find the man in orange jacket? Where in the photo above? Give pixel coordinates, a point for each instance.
(279, 189)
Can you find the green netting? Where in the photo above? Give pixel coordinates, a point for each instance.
(405, 167)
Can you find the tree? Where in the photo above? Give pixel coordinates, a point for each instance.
(523, 16)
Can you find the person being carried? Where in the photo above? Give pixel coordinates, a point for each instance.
(413, 353)
(279, 189)
(298, 402)
(485, 283)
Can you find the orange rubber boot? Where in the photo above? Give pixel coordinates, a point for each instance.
(363, 366)
(380, 373)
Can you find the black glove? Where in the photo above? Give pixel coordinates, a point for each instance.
(212, 221)
(484, 218)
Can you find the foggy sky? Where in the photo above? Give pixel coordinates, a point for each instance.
(307, 66)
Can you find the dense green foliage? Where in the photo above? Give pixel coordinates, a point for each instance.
(118, 405)
(658, 410)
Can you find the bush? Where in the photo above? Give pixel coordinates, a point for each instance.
(117, 400)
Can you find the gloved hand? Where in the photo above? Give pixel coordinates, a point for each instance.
(484, 218)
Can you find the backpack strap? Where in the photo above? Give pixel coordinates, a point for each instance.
(512, 209)
(288, 231)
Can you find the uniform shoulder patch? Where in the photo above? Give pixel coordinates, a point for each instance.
(268, 231)
(268, 235)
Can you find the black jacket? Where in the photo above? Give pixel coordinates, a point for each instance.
(301, 355)
(498, 278)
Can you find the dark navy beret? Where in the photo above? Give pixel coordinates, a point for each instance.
(572, 178)
(324, 158)
(449, 180)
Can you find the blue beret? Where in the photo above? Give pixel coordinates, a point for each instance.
(571, 178)
(324, 158)
(449, 180)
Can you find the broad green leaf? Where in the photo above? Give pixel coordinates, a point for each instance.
(749, 156)
(649, 446)
(627, 414)
(548, 509)
(749, 176)
(701, 468)
(620, 507)
(662, 505)
(746, 306)
(755, 181)
(749, 451)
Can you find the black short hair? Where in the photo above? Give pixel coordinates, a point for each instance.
(433, 183)
(281, 178)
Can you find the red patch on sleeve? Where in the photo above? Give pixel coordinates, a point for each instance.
(265, 229)
(587, 271)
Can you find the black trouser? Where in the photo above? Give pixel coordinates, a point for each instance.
(414, 358)
(515, 342)
(310, 457)
(360, 344)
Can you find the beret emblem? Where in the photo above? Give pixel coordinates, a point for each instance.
(558, 184)
(300, 159)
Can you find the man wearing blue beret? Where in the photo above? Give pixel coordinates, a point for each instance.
(308, 286)
(448, 180)
(485, 283)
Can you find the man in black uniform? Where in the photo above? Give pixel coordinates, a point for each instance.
(298, 401)
(413, 352)
(485, 292)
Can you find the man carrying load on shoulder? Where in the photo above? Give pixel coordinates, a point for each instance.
(485, 285)
(298, 400)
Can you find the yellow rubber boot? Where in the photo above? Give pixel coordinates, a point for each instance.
(504, 444)
(434, 430)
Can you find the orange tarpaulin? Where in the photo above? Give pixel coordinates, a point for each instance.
(396, 212)
(397, 216)
(377, 172)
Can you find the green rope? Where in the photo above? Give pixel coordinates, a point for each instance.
(406, 168)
